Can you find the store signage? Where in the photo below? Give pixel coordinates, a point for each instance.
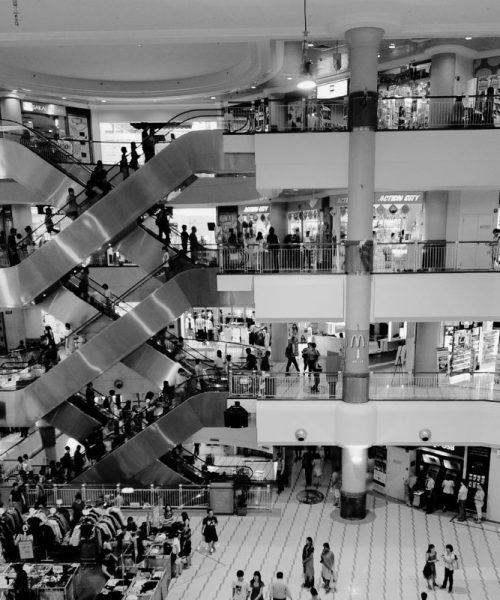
(45, 109)
(383, 198)
(446, 447)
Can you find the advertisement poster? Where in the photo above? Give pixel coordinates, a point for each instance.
(478, 466)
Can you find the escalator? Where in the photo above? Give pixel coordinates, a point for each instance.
(193, 287)
(109, 217)
(139, 461)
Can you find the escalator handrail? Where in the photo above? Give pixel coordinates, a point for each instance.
(139, 145)
(54, 146)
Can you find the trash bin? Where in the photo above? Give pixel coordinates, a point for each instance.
(222, 498)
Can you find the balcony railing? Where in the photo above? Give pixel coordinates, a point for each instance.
(383, 386)
(410, 257)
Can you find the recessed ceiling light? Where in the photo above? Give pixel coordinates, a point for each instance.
(212, 97)
(139, 45)
(378, 55)
(103, 100)
(253, 87)
(392, 45)
(310, 45)
(289, 78)
(63, 98)
(468, 38)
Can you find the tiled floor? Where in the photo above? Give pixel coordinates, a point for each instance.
(380, 558)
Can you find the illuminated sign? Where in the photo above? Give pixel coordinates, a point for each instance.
(45, 109)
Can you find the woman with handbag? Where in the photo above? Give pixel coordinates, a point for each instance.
(327, 561)
(430, 567)
(308, 563)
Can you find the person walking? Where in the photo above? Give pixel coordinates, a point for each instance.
(83, 285)
(450, 561)
(257, 587)
(463, 492)
(186, 540)
(308, 563)
(278, 590)
(317, 469)
(124, 163)
(327, 561)
(307, 463)
(479, 502)
(163, 224)
(49, 223)
(209, 530)
(240, 588)
(430, 566)
(280, 472)
(429, 493)
(72, 205)
(90, 394)
(290, 356)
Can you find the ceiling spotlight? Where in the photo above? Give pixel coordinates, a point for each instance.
(253, 87)
(468, 38)
(103, 100)
(139, 45)
(212, 97)
(289, 78)
(310, 45)
(63, 98)
(392, 46)
(378, 55)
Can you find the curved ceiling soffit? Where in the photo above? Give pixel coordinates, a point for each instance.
(261, 60)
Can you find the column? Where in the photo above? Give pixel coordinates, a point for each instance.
(435, 217)
(278, 217)
(364, 43)
(279, 341)
(10, 108)
(442, 84)
(427, 339)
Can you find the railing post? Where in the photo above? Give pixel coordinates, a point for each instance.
(268, 497)
(152, 494)
(180, 496)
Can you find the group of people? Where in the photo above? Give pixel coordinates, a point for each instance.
(278, 589)
(446, 495)
(450, 563)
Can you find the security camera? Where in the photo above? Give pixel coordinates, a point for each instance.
(425, 435)
(301, 435)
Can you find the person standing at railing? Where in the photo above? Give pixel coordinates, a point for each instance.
(488, 112)
(12, 248)
(457, 113)
(134, 157)
(193, 244)
(273, 247)
(163, 224)
(184, 239)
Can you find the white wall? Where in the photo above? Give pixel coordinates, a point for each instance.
(379, 423)
(494, 486)
(405, 160)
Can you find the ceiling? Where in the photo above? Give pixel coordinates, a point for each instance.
(131, 51)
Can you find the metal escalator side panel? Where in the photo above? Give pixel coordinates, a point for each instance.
(104, 221)
(219, 191)
(133, 457)
(72, 421)
(160, 473)
(68, 308)
(32, 172)
(142, 248)
(152, 365)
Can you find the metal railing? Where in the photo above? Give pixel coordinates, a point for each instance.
(256, 258)
(382, 386)
(180, 497)
(436, 112)
(435, 255)
(256, 384)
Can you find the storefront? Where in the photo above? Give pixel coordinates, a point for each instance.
(397, 217)
(402, 97)
(70, 126)
(309, 222)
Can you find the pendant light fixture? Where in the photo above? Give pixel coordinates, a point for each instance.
(306, 81)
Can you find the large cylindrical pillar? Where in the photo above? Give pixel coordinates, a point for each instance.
(279, 341)
(364, 44)
(278, 218)
(442, 84)
(427, 339)
(10, 108)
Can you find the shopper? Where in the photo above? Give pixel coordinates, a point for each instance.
(69, 339)
(77, 508)
(429, 493)
(134, 157)
(448, 486)
(209, 530)
(450, 561)
(240, 589)
(290, 355)
(430, 566)
(257, 587)
(265, 365)
(90, 394)
(280, 472)
(49, 223)
(317, 469)
(273, 247)
(479, 502)
(184, 239)
(463, 492)
(327, 561)
(71, 204)
(124, 163)
(308, 563)
(186, 540)
(278, 590)
(163, 224)
(250, 361)
(83, 286)
(307, 463)
(20, 587)
(17, 498)
(78, 460)
(193, 244)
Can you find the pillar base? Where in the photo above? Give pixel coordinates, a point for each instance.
(353, 505)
